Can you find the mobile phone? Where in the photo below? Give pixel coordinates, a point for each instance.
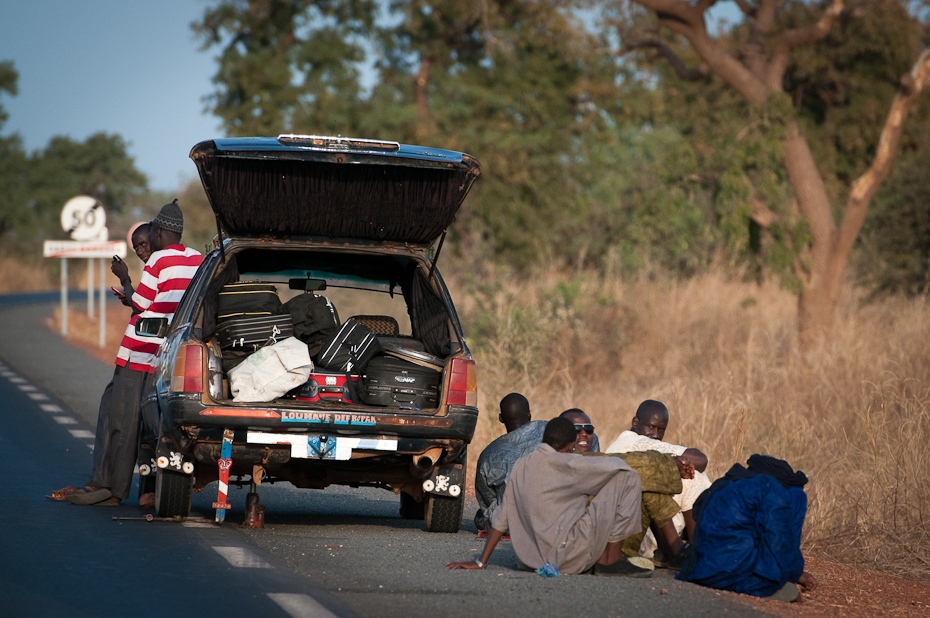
(116, 291)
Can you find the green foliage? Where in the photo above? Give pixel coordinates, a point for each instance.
(587, 160)
(286, 66)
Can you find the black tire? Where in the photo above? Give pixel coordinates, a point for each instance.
(173, 492)
(410, 508)
(444, 513)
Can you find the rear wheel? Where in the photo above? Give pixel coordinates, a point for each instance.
(410, 508)
(444, 513)
(173, 492)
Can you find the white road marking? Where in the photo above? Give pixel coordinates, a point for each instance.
(243, 558)
(64, 420)
(300, 605)
(51, 407)
(7, 374)
(17, 380)
(81, 433)
(38, 397)
(27, 388)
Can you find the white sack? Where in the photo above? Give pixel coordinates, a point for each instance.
(271, 371)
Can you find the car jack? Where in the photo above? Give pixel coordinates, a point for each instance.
(254, 512)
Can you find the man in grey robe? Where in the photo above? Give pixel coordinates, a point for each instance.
(567, 511)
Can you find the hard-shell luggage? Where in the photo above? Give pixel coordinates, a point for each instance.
(314, 318)
(244, 299)
(389, 381)
(329, 386)
(250, 334)
(349, 349)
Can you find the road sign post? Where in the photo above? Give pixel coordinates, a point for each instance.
(84, 219)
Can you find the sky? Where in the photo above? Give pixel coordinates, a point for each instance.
(129, 67)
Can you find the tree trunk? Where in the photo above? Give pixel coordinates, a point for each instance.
(822, 278)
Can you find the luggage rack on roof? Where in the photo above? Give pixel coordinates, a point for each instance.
(338, 142)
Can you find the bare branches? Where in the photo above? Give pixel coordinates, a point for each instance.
(675, 12)
(761, 214)
(747, 9)
(792, 39)
(754, 47)
(674, 60)
(865, 187)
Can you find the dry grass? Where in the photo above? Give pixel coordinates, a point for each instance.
(18, 276)
(723, 356)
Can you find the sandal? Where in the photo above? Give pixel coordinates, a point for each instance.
(88, 495)
(61, 495)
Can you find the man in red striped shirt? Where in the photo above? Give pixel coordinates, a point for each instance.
(165, 278)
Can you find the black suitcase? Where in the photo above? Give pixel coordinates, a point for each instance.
(246, 299)
(389, 381)
(314, 318)
(250, 334)
(349, 349)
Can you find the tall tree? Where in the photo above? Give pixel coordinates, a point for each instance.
(756, 70)
(287, 65)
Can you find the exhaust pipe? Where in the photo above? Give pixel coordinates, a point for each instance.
(422, 464)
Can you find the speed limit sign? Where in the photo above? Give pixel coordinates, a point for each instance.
(84, 218)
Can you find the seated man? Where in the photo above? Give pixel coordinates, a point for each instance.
(646, 432)
(586, 442)
(661, 476)
(566, 511)
(497, 459)
(749, 532)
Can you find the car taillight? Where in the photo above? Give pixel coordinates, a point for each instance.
(187, 376)
(463, 385)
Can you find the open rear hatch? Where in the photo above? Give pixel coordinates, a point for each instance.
(333, 187)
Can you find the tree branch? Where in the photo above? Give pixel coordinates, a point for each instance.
(675, 11)
(747, 9)
(753, 50)
(681, 70)
(792, 39)
(761, 214)
(865, 187)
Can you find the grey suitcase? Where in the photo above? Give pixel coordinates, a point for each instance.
(250, 334)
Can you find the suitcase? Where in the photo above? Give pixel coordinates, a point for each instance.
(389, 381)
(329, 386)
(245, 299)
(349, 349)
(250, 334)
(314, 318)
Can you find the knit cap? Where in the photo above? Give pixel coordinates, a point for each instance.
(170, 218)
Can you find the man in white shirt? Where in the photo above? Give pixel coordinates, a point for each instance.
(646, 433)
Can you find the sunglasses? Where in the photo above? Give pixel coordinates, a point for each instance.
(585, 428)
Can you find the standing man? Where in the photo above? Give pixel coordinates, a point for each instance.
(646, 433)
(497, 459)
(164, 280)
(566, 512)
(140, 244)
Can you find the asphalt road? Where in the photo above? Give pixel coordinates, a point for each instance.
(339, 551)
